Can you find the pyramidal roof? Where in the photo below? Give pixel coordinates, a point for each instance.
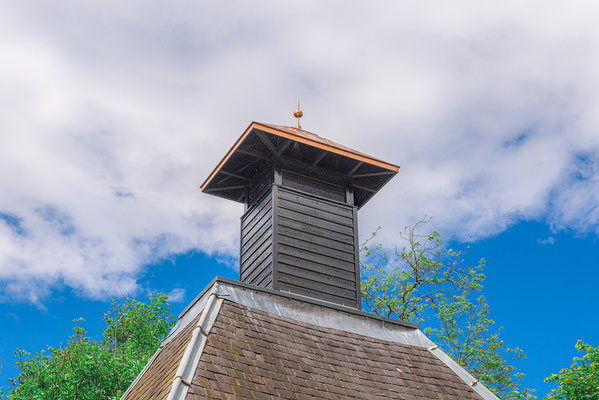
(237, 341)
(263, 143)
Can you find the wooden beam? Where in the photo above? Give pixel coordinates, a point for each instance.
(284, 147)
(252, 154)
(224, 188)
(250, 164)
(373, 174)
(314, 171)
(233, 175)
(297, 148)
(324, 146)
(255, 126)
(267, 143)
(365, 188)
(355, 168)
(320, 157)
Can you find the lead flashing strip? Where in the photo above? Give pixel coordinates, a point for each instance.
(297, 309)
(195, 347)
(229, 283)
(199, 305)
(324, 315)
(333, 316)
(457, 369)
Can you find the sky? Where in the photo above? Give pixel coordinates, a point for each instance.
(113, 113)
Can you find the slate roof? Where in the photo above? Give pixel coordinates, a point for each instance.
(257, 355)
(262, 344)
(155, 382)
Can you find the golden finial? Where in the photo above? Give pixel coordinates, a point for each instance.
(298, 114)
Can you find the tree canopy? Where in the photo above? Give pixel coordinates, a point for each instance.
(422, 281)
(88, 369)
(581, 380)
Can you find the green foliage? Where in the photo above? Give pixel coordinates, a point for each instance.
(423, 282)
(581, 380)
(87, 369)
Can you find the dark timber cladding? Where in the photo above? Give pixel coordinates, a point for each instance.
(301, 194)
(255, 265)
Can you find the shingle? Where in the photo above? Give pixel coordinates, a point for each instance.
(257, 355)
(157, 380)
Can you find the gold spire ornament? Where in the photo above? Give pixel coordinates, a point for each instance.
(298, 114)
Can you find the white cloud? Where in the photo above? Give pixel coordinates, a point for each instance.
(113, 113)
(549, 240)
(177, 295)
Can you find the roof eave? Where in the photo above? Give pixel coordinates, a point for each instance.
(323, 146)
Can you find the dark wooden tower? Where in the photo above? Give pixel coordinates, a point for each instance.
(299, 231)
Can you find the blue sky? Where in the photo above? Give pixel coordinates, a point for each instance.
(543, 294)
(114, 113)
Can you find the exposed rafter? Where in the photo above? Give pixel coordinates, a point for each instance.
(355, 168)
(252, 154)
(364, 188)
(241, 197)
(267, 143)
(373, 174)
(284, 147)
(220, 189)
(231, 174)
(322, 155)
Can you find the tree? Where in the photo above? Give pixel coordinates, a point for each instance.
(581, 380)
(423, 282)
(88, 369)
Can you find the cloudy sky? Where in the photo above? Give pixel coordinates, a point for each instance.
(113, 113)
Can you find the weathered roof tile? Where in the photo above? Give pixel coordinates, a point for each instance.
(155, 382)
(268, 356)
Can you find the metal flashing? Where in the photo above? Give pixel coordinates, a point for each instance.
(457, 368)
(309, 300)
(327, 315)
(193, 352)
(297, 308)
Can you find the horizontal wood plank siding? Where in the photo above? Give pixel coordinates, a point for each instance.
(258, 185)
(317, 267)
(285, 287)
(299, 235)
(315, 251)
(322, 239)
(315, 212)
(305, 228)
(315, 221)
(313, 186)
(264, 263)
(255, 264)
(315, 203)
(308, 255)
(256, 213)
(317, 286)
(302, 272)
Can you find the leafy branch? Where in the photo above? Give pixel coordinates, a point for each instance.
(423, 281)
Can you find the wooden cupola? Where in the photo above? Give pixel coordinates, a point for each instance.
(299, 231)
